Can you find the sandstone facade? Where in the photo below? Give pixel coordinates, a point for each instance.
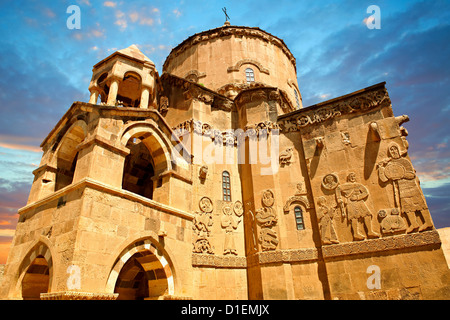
(212, 181)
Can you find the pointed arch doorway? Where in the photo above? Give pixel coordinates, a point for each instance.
(141, 273)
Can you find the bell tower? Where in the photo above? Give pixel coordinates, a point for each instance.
(125, 78)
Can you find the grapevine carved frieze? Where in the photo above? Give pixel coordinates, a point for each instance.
(362, 102)
(229, 136)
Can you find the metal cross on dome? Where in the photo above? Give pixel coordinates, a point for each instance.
(224, 9)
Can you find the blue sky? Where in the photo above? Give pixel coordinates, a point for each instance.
(45, 67)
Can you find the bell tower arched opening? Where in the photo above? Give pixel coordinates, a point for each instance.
(67, 155)
(36, 279)
(138, 169)
(129, 94)
(142, 277)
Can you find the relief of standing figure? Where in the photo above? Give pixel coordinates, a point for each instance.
(407, 194)
(325, 216)
(355, 195)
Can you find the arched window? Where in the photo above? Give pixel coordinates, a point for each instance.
(226, 186)
(249, 75)
(297, 100)
(299, 218)
(138, 170)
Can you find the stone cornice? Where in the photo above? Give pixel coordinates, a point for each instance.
(90, 183)
(362, 100)
(103, 142)
(192, 90)
(225, 31)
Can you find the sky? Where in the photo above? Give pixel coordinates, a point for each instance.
(46, 67)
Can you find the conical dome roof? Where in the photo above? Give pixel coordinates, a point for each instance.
(132, 52)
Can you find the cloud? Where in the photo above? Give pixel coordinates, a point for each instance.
(177, 13)
(109, 4)
(7, 232)
(48, 13)
(20, 147)
(122, 23)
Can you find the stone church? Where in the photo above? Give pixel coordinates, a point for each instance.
(212, 181)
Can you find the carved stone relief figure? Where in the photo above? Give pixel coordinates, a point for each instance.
(392, 222)
(163, 105)
(351, 197)
(251, 222)
(266, 218)
(238, 208)
(325, 216)
(202, 227)
(355, 195)
(229, 223)
(285, 156)
(203, 172)
(407, 194)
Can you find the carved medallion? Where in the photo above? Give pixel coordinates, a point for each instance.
(268, 198)
(205, 205)
(238, 208)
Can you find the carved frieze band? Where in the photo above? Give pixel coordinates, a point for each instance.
(280, 256)
(216, 261)
(76, 295)
(361, 102)
(228, 136)
(383, 244)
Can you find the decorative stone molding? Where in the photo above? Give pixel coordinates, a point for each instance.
(283, 256)
(198, 92)
(76, 295)
(361, 101)
(204, 260)
(297, 198)
(398, 242)
(239, 64)
(229, 136)
(254, 130)
(195, 74)
(226, 31)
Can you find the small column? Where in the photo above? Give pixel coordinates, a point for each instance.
(145, 94)
(94, 96)
(113, 89)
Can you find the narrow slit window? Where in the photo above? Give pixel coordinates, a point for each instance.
(226, 186)
(299, 218)
(249, 75)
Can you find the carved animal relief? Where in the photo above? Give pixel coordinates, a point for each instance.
(267, 218)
